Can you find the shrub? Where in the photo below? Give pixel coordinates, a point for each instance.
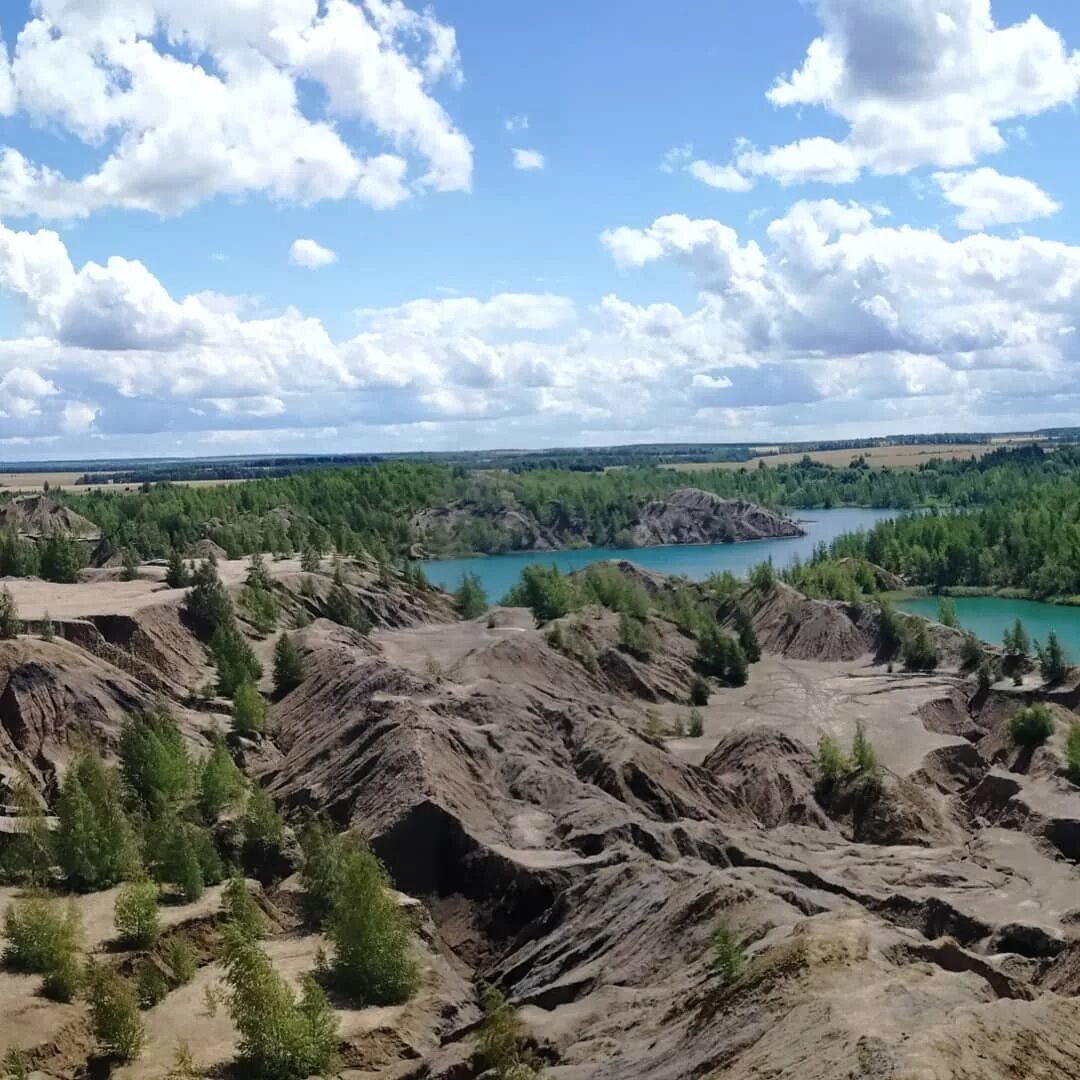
(1031, 726)
(95, 843)
(832, 762)
(918, 650)
(48, 629)
(719, 655)
(130, 565)
(151, 987)
(176, 573)
(288, 665)
(280, 1038)
(728, 953)
(183, 855)
(695, 725)
(258, 577)
(15, 1064)
(221, 783)
(1052, 664)
(10, 623)
(249, 710)
(310, 560)
(233, 658)
(1072, 752)
(500, 1044)
(207, 604)
(890, 634)
(114, 1012)
(699, 691)
(241, 908)
(42, 940)
(985, 676)
(863, 756)
(370, 934)
(972, 656)
(469, 597)
(154, 762)
(748, 640)
(181, 959)
(544, 589)
(135, 914)
(763, 577)
(342, 607)
(61, 558)
(635, 637)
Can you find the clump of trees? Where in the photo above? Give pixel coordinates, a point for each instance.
(720, 656)
(469, 598)
(918, 649)
(859, 766)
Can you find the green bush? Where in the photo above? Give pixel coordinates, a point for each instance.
(500, 1043)
(890, 633)
(183, 855)
(832, 763)
(1031, 726)
(720, 656)
(972, 656)
(695, 725)
(544, 589)
(635, 637)
(370, 934)
(1072, 752)
(946, 612)
(114, 1012)
(728, 953)
(181, 959)
(288, 665)
(241, 908)
(699, 691)
(135, 914)
(918, 650)
(151, 987)
(155, 765)
(469, 597)
(43, 940)
(177, 575)
(748, 640)
(320, 869)
(233, 658)
(763, 577)
(263, 830)
(249, 710)
(95, 843)
(280, 1038)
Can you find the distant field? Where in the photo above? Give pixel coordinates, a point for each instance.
(899, 457)
(33, 481)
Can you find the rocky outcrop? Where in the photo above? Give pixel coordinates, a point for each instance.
(692, 516)
(686, 516)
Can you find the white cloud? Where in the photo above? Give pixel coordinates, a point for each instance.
(517, 123)
(528, 159)
(924, 82)
(311, 254)
(725, 177)
(111, 78)
(835, 321)
(986, 198)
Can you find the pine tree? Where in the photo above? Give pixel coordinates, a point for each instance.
(29, 856)
(207, 604)
(288, 665)
(48, 630)
(130, 565)
(748, 640)
(470, 598)
(320, 870)
(221, 783)
(249, 710)
(258, 577)
(176, 574)
(1052, 663)
(155, 765)
(310, 560)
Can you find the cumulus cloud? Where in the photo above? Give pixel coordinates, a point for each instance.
(111, 76)
(924, 82)
(986, 198)
(726, 177)
(835, 320)
(528, 159)
(311, 254)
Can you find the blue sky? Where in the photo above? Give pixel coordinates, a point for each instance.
(743, 221)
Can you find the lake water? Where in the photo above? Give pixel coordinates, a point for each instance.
(988, 617)
(499, 573)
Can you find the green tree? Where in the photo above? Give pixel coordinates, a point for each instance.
(61, 559)
(180, 958)
(242, 909)
(288, 665)
(635, 637)
(763, 577)
(695, 726)
(890, 633)
(280, 1038)
(1072, 752)
(919, 652)
(29, 856)
(720, 656)
(249, 710)
(48, 628)
(748, 640)
(155, 765)
(114, 1012)
(258, 576)
(946, 612)
(221, 783)
(320, 869)
(469, 597)
(135, 915)
(370, 934)
(972, 655)
(234, 659)
(1031, 726)
(129, 564)
(1052, 663)
(43, 940)
(310, 560)
(699, 691)
(728, 953)
(263, 830)
(207, 604)
(545, 590)
(177, 575)
(10, 623)
(832, 763)
(95, 843)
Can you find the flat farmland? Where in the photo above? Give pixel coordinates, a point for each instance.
(896, 457)
(33, 481)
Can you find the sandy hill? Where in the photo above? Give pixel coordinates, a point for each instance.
(35, 516)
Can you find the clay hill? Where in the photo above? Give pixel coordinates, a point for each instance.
(35, 516)
(535, 794)
(686, 516)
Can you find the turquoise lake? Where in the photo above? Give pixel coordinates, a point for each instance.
(988, 617)
(499, 573)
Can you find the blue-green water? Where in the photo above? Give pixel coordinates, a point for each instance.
(988, 617)
(499, 573)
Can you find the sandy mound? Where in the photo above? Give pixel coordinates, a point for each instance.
(35, 516)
